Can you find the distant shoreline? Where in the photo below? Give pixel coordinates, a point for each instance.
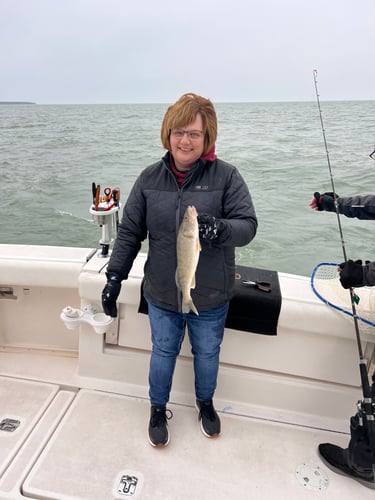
(16, 102)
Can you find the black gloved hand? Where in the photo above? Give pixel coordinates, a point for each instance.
(110, 293)
(351, 274)
(325, 201)
(207, 227)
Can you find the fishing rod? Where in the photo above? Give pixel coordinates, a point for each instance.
(352, 295)
(367, 406)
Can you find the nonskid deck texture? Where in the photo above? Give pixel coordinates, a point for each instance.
(92, 445)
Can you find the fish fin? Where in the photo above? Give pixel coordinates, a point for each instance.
(189, 306)
(193, 282)
(194, 309)
(198, 244)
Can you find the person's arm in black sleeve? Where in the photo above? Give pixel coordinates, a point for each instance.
(360, 207)
(239, 226)
(132, 232)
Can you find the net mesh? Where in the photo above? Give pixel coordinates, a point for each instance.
(326, 284)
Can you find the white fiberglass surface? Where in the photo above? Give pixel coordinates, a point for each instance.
(103, 439)
(22, 403)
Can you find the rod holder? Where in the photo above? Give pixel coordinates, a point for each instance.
(107, 219)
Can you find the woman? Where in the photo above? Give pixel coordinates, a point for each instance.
(189, 174)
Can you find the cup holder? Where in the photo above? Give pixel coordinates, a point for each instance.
(73, 317)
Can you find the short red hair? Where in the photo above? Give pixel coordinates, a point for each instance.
(183, 112)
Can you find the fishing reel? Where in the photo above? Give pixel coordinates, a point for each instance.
(366, 411)
(362, 426)
(366, 406)
(105, 213)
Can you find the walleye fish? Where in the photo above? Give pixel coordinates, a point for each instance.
(188, 248)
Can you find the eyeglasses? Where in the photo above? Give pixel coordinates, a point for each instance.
(193, 135)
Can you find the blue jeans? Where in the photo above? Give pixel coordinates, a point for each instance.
(206, 333)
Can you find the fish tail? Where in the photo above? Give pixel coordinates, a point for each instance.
(188, 306)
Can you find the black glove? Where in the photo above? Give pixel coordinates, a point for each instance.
(208, 227)
(325, 201)
(351, 274)
(110, 293)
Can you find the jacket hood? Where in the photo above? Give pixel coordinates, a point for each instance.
(211, 155)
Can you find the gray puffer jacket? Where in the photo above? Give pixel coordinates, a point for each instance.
(361, 207)
(155, 208)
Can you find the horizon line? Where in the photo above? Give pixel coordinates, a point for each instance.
(19, 102)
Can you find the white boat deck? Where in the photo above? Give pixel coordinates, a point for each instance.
(78, 443)
(74, 406)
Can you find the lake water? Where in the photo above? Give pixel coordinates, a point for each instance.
(51, 154)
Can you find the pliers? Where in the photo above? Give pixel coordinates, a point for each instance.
(263, 286)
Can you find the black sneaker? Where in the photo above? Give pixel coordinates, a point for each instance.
(157, 429)
(210, 421)
(335, 459)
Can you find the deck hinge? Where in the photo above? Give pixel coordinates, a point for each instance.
(9, 424)
(111, 335)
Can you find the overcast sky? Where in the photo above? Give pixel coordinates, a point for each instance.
(121, 51)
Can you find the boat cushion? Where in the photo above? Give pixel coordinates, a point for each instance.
(250, 309)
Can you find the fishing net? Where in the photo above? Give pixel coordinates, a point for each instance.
(326, 285)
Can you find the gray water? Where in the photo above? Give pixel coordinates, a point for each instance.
(50, 155)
